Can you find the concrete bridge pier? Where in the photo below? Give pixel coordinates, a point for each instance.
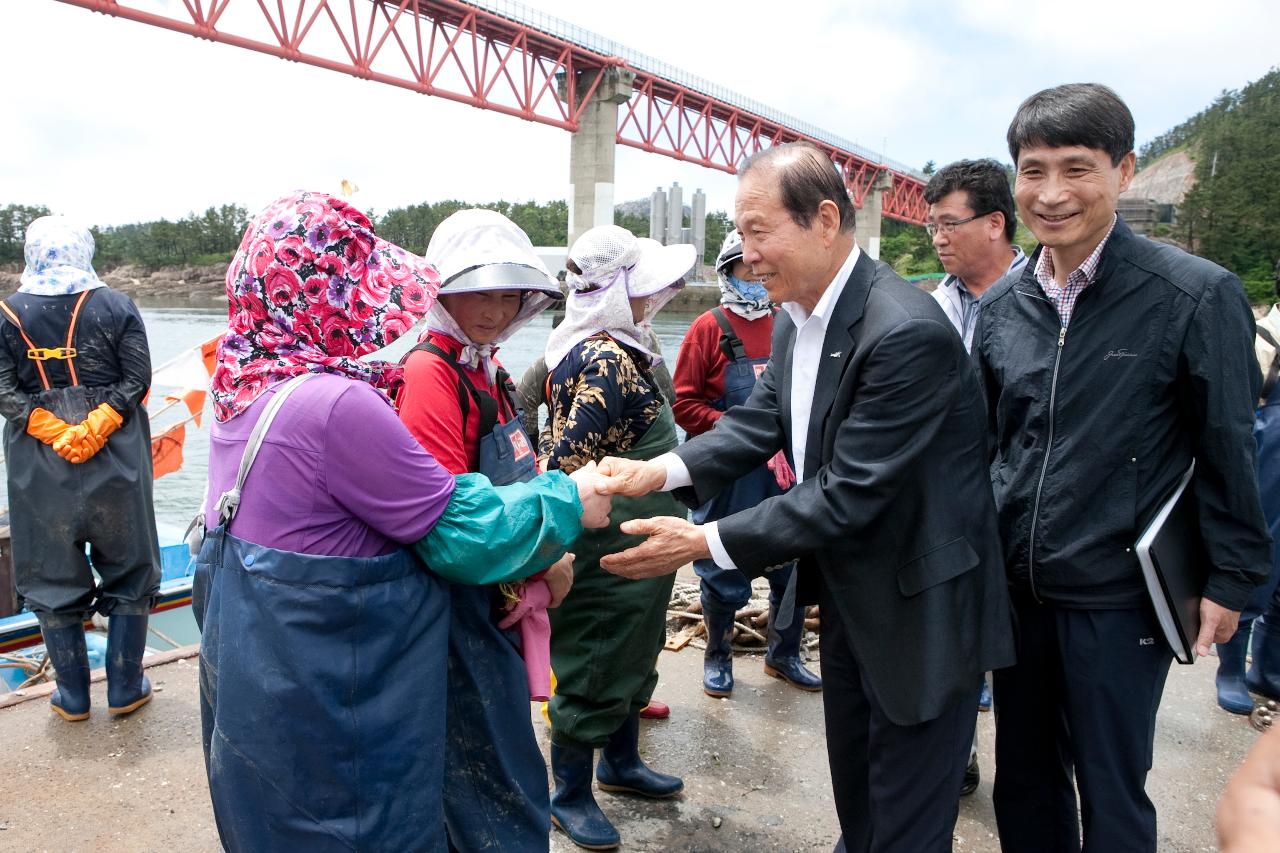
(591, 151)
(867, 221)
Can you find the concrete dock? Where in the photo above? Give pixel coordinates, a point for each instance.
(754, 766)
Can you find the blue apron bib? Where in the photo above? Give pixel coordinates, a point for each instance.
(729, 590)
(506, 456)
(495, 793)
(321, 685)
(1266, 431)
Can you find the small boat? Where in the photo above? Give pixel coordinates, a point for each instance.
(20, 632)
(21, 646)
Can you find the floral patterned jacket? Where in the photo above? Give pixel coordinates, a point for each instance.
(603, 399)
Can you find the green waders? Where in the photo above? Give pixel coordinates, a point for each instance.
(606, 636)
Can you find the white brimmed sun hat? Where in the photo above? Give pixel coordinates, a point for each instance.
(659, 267)
(477, 249)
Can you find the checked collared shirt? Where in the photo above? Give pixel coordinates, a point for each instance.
(1064, 298)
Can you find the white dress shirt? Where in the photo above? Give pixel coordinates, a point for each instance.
(806, 355)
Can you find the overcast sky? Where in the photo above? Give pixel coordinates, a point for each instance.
(117, 122)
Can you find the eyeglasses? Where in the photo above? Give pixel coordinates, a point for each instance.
(932, 229)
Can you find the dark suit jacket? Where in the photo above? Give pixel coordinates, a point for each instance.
(895, 514)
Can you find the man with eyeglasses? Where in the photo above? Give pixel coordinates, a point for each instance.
(971, 224)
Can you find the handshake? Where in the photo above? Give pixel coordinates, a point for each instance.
(598, 483)
(671, 542)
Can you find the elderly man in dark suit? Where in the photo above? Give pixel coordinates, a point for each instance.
(871, 394)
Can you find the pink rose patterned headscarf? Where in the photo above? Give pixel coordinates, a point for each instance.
(310, 290)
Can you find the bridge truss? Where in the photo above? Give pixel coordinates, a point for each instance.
(498, 60)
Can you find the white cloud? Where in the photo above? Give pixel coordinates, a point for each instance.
(116, 121)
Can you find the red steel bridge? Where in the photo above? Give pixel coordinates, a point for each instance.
(512, 59)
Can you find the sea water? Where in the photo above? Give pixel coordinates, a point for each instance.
(171, 331)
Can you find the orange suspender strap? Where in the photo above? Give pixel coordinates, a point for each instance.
(38, 354)
(71, 333)
(13, 318)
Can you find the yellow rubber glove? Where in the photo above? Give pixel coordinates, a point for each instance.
(45, 425)
(103, 421)
(78, 444)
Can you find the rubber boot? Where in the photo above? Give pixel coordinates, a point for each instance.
(984, 696)
(717, 660)
(573, 806)
(621, 768)
(1233, 695)
(782, 658)
(128, 689)
(655, 710)
(972, 774)
(1264, 676)
(70, 658)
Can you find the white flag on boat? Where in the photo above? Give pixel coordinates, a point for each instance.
(189, 370)
(188, 375)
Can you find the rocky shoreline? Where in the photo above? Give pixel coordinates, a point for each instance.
(198, 285)
(206, 286)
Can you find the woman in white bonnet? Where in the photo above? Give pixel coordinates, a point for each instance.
(606, 636)
(459, 403)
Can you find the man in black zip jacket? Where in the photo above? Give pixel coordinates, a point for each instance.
(1109, 363)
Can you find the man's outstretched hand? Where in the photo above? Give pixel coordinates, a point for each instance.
(672, 542)
(631, 477)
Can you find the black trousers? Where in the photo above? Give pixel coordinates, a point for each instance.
(1078, 710)
(897, 788)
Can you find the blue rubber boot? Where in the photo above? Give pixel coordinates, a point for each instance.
(782, 658)
(984, 696)
(717, 660)
(573, 806)
(1233, 694)
(621, 768)
(1264, 676)
(128, 689)
(70, 658)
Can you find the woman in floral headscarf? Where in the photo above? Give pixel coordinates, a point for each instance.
(322, 661)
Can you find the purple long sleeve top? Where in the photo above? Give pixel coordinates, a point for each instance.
(337, 474)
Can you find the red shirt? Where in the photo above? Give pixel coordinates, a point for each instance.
(429, 407)
(699, 376)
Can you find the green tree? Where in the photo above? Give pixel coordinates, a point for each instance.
(1232, 214)
(718, 225)
(637, 225)
(546, 224)
(14, 219)
(907, 248)
(412, 227)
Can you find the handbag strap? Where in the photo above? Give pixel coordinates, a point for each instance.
(1273, 372)
(730, 343)
(229, 502)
